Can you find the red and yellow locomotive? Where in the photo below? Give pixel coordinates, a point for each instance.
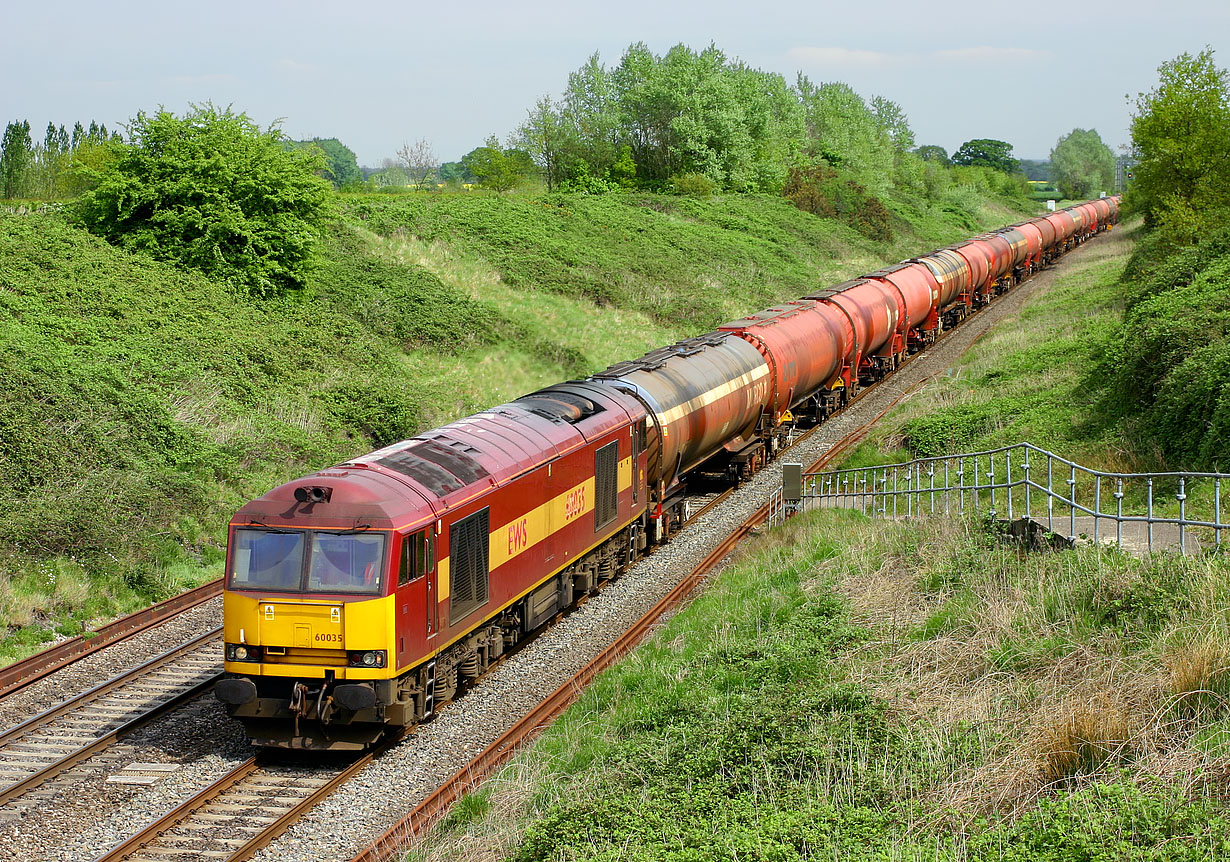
(362, 596)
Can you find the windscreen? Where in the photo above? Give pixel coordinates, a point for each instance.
(312, 561)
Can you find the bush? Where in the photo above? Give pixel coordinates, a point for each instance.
(212, 192)
(693, 185)
(820, 190)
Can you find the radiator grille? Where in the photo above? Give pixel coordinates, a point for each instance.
(468, 565)
(606, 485)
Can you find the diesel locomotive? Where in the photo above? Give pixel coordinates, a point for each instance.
(361, 597)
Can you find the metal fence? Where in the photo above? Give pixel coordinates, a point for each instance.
(1153, 510)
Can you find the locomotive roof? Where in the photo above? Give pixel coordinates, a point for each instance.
(419, 479)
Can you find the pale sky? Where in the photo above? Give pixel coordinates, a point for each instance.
(379, 74)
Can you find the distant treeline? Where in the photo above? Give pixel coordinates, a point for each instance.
(53, 169)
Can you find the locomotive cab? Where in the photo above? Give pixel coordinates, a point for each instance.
(324, 599)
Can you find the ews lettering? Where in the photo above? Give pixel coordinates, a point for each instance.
(575, 503)
(518, 537)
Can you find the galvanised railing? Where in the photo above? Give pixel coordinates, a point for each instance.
(1023, 480)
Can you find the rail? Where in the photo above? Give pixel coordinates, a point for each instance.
(1183, 510)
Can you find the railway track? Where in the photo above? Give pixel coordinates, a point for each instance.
(22, 673)
(41, 748)
(239, 813)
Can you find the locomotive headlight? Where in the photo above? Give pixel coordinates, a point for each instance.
(241, 652)
(368, 658)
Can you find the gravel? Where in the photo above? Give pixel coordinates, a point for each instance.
(80, 824)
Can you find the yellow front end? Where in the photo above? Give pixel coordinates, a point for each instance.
(310, 637)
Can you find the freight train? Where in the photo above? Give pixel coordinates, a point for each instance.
(360, 598)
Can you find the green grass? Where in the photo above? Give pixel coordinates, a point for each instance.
(847, 690)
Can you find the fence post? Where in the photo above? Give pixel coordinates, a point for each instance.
(1217, 511)
(1072, 506)
(1119, 513)
(1150, 525)
(1182, 498)
(1025, 467)
(1008, 481)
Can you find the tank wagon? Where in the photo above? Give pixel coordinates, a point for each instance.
(361, 597)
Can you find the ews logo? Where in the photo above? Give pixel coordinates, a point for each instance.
(518, 537)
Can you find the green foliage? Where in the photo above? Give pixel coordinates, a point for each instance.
(988, 153)
(495, 168)
(693, 185)
(1082, 166)
(1108, 822)
(1172, 367)
(845, 133)
(212, 192)
(1180, 136)
(15, 156)
(821, 191)
(341, 165)
(932, 153)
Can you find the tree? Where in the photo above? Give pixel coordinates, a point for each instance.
(1181, 137)
(341, 164)
(988, 153)
(892, 120)
(455, 173)
(213, 192)
(932, 153)
(419, 161)
(494, 167)
(16, 153)
(843, 130)
(1081, 165)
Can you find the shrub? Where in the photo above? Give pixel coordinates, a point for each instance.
(693, 185)
(212, 192)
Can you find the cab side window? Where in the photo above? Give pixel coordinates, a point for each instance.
(418, 557)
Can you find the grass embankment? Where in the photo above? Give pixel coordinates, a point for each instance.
(139, 405)
(867, 690)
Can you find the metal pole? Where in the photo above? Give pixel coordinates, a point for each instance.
(1182, 497)
(1050, 493)
(1119, 514)
(1072, 506)
(1097, 510)
(1008, 480)
(1025, 467)
(990, 480)
(1150, 523)
(1217, 510)
(947, 489)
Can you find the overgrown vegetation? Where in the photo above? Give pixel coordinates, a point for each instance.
(212, 192)
(864, 690)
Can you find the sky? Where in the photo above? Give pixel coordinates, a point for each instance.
(377, 75)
